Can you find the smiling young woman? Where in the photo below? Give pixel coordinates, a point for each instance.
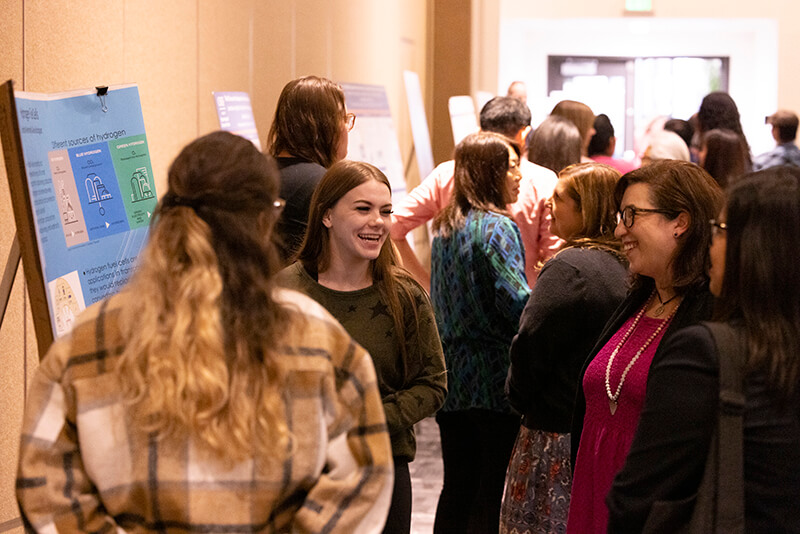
(347, 264)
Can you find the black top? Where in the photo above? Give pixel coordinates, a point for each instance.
(696, 306)
(299, 178)
(668, 454)
(575, 294)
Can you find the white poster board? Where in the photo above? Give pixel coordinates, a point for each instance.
(463, 119)
(419, 124)
(373, 138)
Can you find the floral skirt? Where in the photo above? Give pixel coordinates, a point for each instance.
(538, 483)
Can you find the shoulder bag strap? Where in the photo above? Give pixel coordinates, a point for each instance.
(730, 477)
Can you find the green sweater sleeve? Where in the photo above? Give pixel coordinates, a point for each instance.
(426, 383)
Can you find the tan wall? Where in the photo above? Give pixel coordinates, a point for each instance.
(178, 52)
(785, 12)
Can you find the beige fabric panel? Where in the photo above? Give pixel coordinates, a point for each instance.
(12, 364)
(72, 46)
(161, 57)
(225, 44)
(273, 59)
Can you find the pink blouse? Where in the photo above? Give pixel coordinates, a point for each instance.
(607, 437)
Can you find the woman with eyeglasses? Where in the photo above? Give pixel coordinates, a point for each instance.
(348, 265)
(664, 210)
(202, 397)
(756, 277)
(309, 133)
(576, 293)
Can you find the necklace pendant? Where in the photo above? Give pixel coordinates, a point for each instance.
(658, 311)
(612, 406)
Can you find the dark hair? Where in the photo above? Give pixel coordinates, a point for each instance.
(681, 127)
(762, 277)
(591, 186)
(505, 115)
(315, 252)
(726, 155)
(231, 186)
(787, 133)
(680, 186)
(481, 166)
(718, 111)
(308, 120)
(603, 133)
(555, 144)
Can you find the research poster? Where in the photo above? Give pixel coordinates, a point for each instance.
(92, 192)
(373, 138)
(235, 115)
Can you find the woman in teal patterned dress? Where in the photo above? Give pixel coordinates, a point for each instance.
(478, 289)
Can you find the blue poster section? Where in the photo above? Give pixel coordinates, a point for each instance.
(76, 122)
(98, 190)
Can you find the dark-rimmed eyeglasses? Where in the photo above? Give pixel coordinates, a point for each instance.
(350, 120)
(628, 215)
(717, 227)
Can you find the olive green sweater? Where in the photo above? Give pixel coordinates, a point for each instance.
(365, 316)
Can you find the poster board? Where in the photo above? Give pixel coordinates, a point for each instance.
(463, 119)
(419, 124)
(373, 138)
(83, 194)
(235, 114)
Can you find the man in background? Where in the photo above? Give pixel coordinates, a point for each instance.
(519, 91)
(509, 117)
(784, 131)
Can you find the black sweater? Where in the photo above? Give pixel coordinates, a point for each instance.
(669, 451)
(575, 294)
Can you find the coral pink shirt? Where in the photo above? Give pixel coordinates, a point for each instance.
(529, 211)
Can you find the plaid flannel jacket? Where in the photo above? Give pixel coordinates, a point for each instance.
(84, 468)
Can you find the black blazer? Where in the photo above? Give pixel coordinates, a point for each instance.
(697, 305)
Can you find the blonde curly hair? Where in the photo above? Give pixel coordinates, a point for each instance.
(199, 358)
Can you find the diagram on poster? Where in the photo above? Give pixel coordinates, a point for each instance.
(92, 192)
(67, 298)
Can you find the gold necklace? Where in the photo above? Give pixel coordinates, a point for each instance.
(613, 398)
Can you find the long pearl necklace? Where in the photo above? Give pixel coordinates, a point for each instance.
(613, 398)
